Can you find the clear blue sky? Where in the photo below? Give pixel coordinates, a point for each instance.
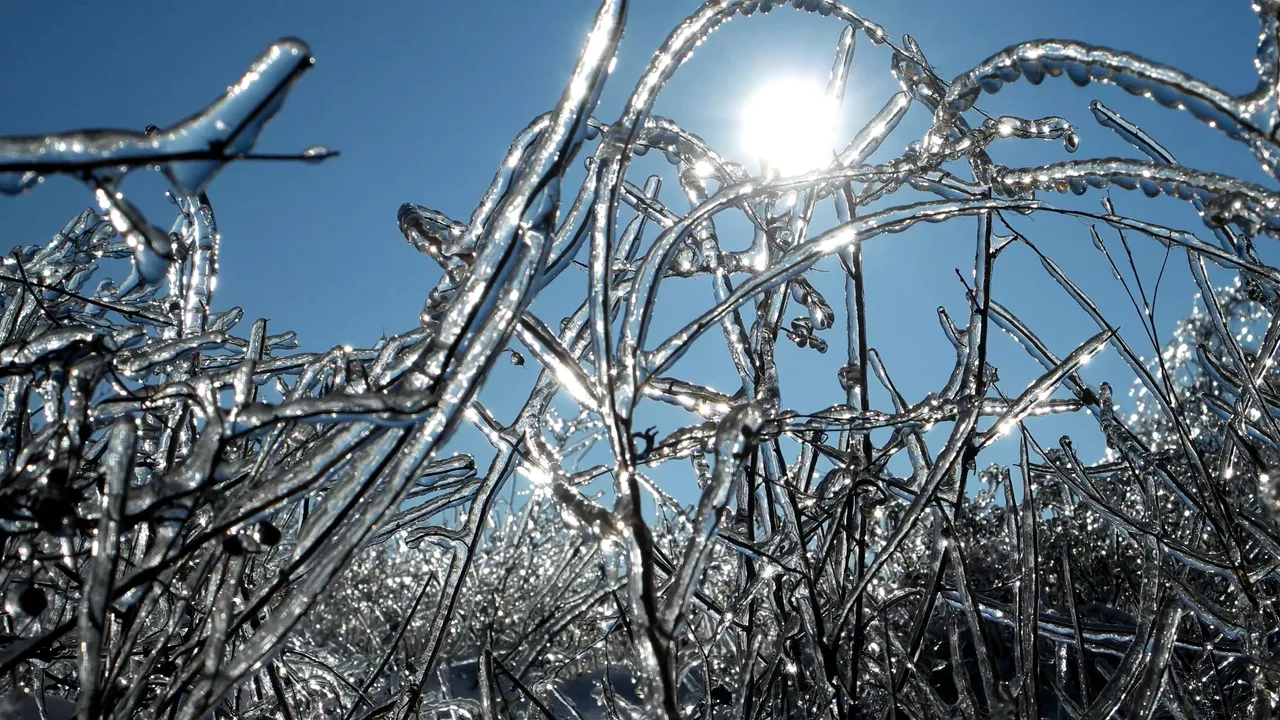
(422, 98)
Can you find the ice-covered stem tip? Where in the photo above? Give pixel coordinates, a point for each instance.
(189, 153)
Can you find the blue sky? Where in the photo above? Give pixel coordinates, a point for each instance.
(422, 98)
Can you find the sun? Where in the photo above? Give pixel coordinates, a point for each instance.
(789, 125)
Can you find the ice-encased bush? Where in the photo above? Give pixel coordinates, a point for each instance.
(197, 521)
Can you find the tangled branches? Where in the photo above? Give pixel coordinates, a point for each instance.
(197, 521)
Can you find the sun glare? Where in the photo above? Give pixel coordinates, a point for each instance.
(789, 125)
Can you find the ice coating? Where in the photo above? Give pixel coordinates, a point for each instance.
(196, 519)
(190, 152)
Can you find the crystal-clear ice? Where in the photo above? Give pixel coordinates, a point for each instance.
(197, 520)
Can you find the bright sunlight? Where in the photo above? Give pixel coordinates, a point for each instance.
(789, 125)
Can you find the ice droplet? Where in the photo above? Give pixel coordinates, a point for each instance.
(316, 153)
